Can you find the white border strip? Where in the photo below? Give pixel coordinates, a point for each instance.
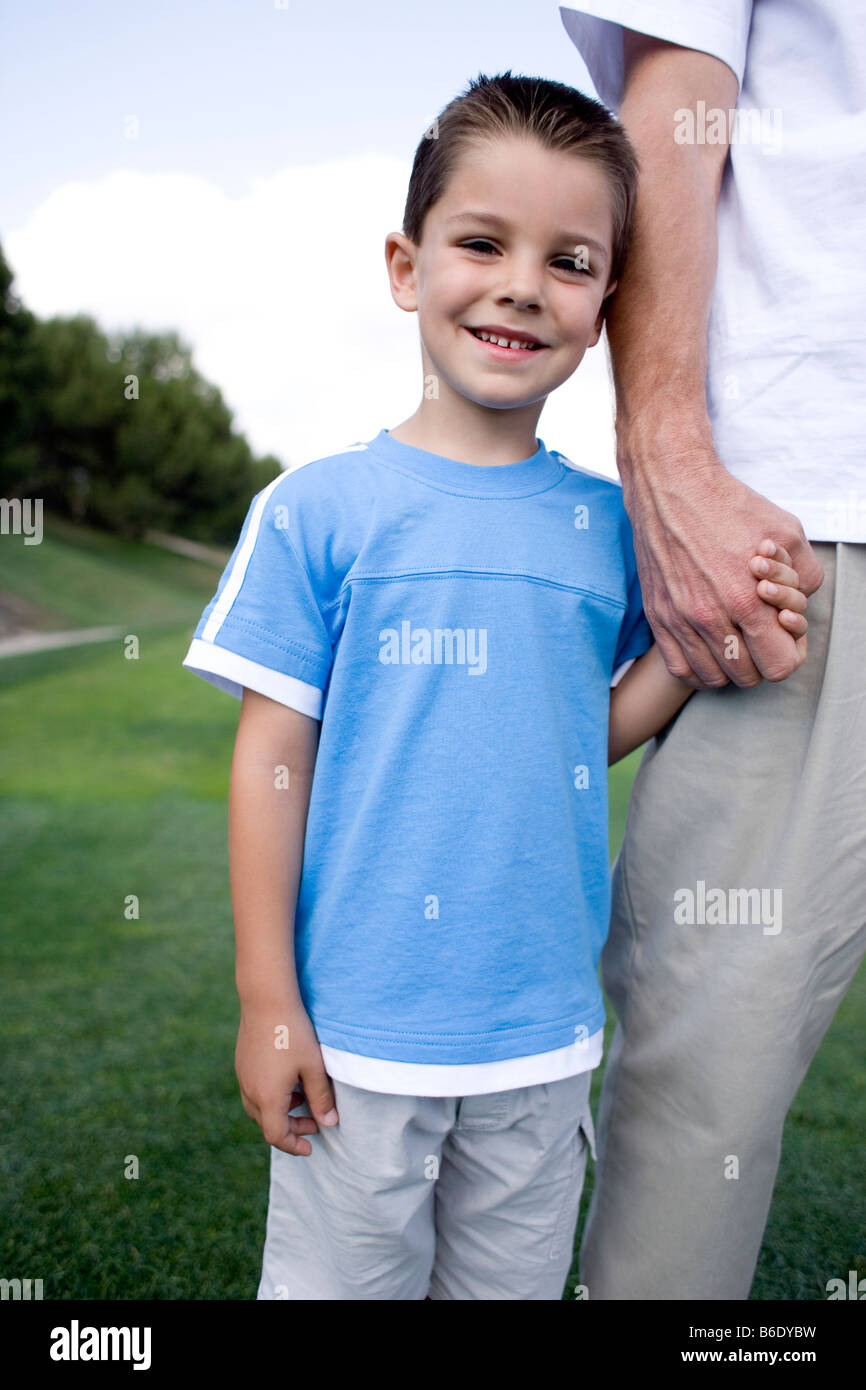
(232, 673)
(462, 1079)
(620, 671)
(232, 586)
(590, 472)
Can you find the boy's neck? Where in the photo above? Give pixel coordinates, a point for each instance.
(485, 437)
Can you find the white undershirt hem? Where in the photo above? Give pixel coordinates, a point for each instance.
(472, 1079)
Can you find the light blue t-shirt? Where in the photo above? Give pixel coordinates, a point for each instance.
(456, 627)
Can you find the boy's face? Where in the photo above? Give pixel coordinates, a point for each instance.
(521, 241)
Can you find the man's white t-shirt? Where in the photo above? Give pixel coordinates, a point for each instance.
(787, 329)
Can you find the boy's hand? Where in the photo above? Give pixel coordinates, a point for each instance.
(269, 1074)
(779, 585)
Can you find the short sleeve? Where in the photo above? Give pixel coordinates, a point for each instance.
(595, 27)
(635, 634)
(263, 629)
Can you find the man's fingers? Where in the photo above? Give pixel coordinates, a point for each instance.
(674, 657)
(772, 646)
(690, 659)
(718, 657)
(805, 562)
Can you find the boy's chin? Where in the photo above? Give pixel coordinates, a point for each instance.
(492, 401)
(498, 392)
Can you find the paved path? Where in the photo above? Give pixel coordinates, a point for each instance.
(23, 643)
(27, 642)
(193, 550)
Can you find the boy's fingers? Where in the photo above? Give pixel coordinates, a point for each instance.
(777, 573)
(772, 549)
(782, 556)
(795, 623)
(320, 1097)
(296, 1099)
(782, 596)
(286, 1132)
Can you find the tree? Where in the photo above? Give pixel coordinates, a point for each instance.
(123, 433)
(20, 386)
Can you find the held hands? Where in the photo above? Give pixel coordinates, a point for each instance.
(694, 528)
(779, 586)
(650, 695)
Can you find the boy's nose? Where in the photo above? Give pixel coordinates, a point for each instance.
(523, 296)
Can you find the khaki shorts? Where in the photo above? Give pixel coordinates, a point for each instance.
(462, 1198)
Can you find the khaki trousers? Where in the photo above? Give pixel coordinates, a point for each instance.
(722, 998)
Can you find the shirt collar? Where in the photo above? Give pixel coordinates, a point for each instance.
(534, 474)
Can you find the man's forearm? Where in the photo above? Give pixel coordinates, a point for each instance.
(657, 326)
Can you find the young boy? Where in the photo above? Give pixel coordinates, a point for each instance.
(430, 631)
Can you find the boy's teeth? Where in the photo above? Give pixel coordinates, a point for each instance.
(502, 342)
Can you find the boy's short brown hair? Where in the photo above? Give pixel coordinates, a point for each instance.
(558, 116)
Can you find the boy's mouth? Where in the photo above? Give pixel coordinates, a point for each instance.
(506, 340)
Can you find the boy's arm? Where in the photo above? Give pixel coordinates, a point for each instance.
(648, 696)
(267, 824)
(271, 777)
(642, 703)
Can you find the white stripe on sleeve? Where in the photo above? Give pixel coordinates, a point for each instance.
(233, 583)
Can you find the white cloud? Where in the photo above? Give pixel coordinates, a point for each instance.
(282, 293)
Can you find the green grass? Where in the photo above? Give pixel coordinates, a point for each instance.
(80, 577)
(118, 1034)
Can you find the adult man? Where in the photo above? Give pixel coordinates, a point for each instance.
(738, 346)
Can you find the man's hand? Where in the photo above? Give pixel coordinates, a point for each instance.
(696, 528)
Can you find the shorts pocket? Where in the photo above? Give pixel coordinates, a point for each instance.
(588, 1128)
(562, 1239)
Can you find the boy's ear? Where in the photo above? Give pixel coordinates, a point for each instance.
(400, 255)
(599, 322)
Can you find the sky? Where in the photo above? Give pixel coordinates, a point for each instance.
(231, 170)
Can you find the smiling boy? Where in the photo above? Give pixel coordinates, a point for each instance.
(439, 642)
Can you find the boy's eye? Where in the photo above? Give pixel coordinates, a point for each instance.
(568, 262)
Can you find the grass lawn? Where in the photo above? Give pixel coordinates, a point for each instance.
(118, 1035)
